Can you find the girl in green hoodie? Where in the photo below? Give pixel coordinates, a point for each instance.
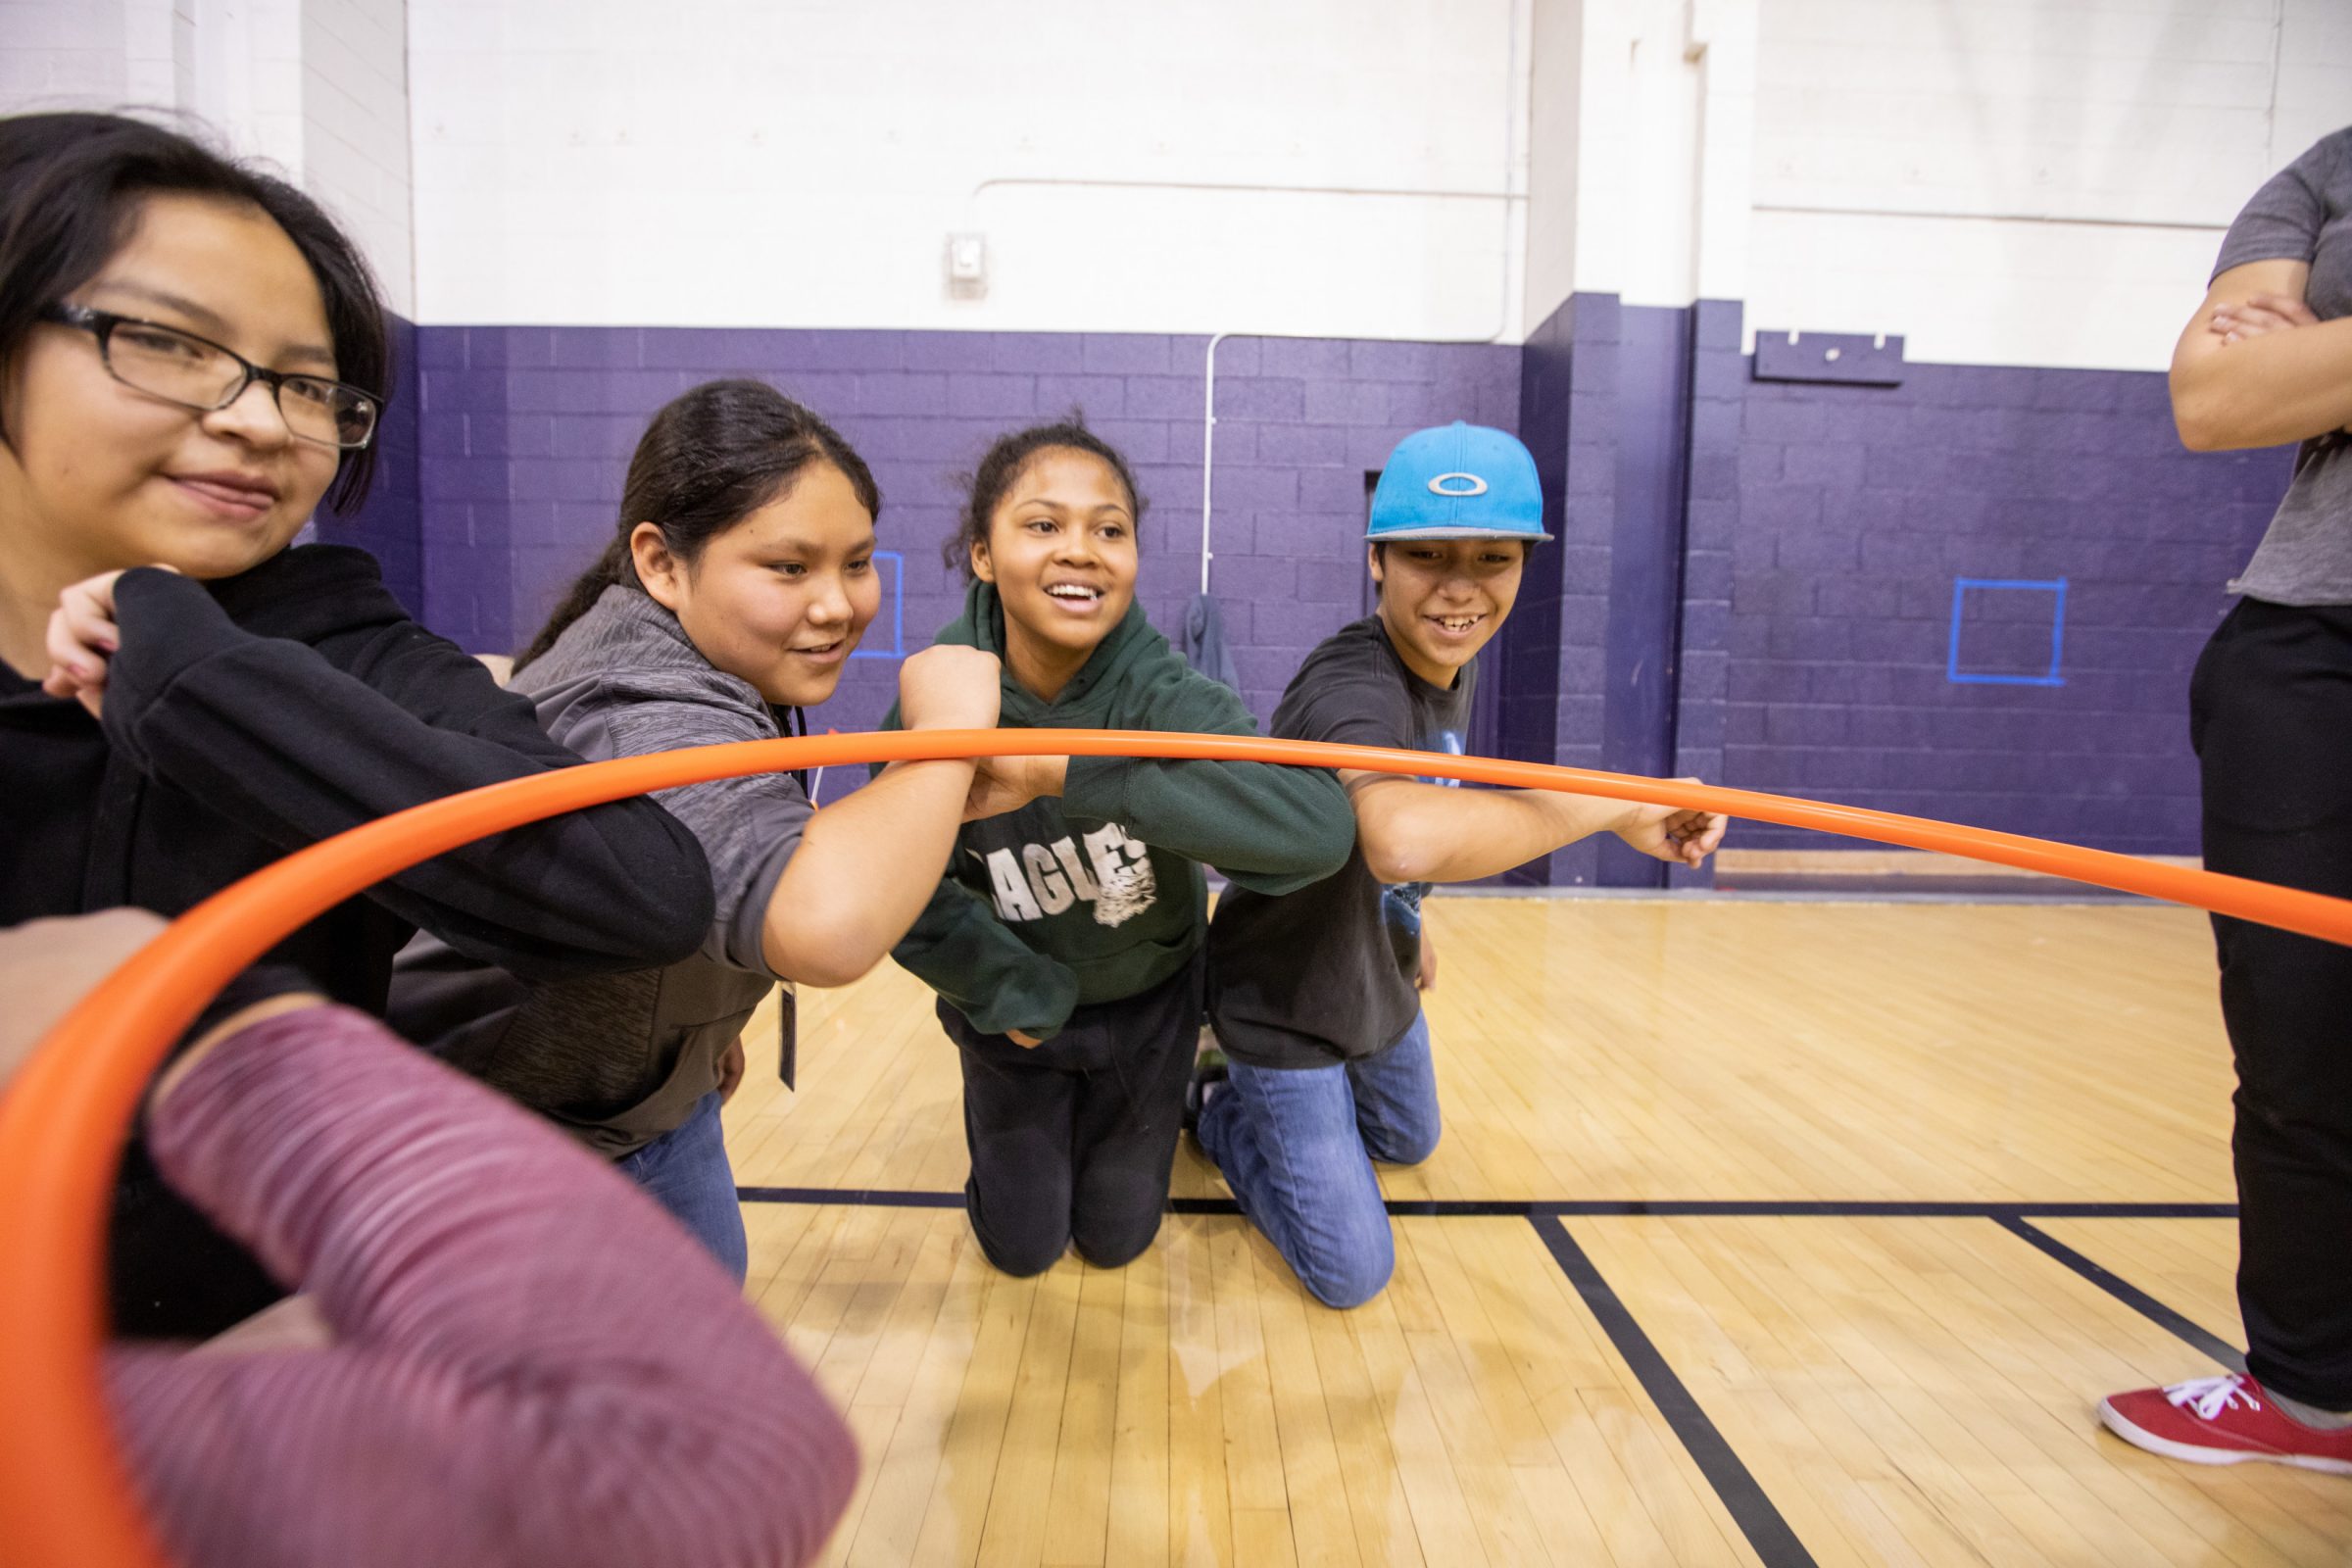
(1064, 939)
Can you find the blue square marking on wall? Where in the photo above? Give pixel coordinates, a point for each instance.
(1961, 587)
(897, 610)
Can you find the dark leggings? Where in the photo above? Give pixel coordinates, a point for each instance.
(2271, 717)
(1072, 1143)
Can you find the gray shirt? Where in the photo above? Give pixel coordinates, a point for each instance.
(2304, 214)
(621, 1059)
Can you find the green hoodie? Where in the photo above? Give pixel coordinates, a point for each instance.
(1099, 895)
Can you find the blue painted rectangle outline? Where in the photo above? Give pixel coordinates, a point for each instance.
(897, 610)
(1960, 587)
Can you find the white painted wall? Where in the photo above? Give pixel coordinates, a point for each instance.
(317, 87)
(1636, 153)
(2023, 181)
(2313, 93)
(354, 135)
(1556, 67)
(62, 53)
(702, 161)
(246, 73)
(159, 48)
(2003, 181)
(1638, 174)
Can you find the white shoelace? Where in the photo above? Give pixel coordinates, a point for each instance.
(2212, 1395)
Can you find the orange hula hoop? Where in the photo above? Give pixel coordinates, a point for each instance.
(64, 1493)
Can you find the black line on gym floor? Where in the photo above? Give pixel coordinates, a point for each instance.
(1574, 1208)
(1758, 1519)
(2124, 1290)
(1753, 1511)
(850, 1196)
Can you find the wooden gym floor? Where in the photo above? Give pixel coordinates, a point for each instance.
(1761, 1233)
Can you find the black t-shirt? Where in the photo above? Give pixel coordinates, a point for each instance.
(1318, 976)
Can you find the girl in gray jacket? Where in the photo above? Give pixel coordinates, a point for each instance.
(739, 580)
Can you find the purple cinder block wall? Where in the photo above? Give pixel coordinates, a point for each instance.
(1718, 386)
(526, 433)
(1552, 650)
(1589, 659)
(1811, 642)
(1813, 535)
(1827, 526)
(390, 523)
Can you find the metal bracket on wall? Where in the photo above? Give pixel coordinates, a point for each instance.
(1854, 359)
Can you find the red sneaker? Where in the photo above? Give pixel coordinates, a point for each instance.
(2224, 1420)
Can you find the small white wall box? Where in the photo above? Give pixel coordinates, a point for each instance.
(967, 265)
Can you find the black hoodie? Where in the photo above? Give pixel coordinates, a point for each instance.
(250, 716)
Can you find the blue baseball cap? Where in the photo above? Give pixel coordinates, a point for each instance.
(1458, 481)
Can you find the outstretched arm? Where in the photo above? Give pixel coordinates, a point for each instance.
(870, 866)
(530, 1363)
(294, 749)
(1264, 825)
(1268, 827)
(1415, 832)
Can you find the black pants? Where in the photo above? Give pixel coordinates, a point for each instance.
(1072, 1143)
(2271, 717)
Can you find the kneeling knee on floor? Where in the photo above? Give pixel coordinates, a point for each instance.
(1404, 1147)
(1117, 1246)
(1351, 1284)
(1022, 1256)
(1350, 1263)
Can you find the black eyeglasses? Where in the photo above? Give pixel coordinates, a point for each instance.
(198, 373)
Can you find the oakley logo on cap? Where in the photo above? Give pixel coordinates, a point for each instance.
(1444, 486)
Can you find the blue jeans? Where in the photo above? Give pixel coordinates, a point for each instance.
(686, 1171)
(1296, 1147)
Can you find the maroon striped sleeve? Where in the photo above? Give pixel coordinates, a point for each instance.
(533, 1365)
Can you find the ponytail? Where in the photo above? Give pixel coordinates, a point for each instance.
(611, 567)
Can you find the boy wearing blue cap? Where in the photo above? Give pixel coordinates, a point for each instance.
(1313, 994)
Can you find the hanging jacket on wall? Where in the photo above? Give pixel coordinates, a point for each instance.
(1204, 642)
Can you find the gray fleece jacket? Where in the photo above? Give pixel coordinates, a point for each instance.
(621, 1059)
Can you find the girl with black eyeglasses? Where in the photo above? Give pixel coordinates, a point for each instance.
(193, 357)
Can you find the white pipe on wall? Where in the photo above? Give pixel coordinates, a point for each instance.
(1209, 448)
(1510, 195)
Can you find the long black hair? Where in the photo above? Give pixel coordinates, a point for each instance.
(70, 185)
(712, 457)
(1004, 464)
